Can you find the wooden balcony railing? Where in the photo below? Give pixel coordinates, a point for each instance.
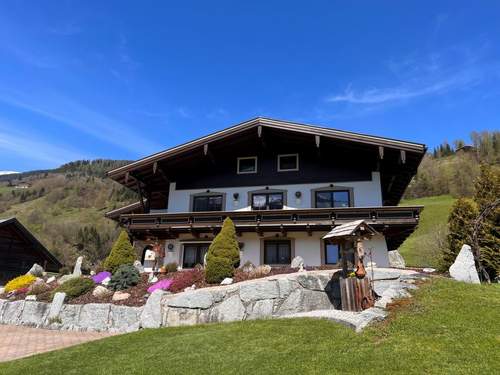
(312, 216)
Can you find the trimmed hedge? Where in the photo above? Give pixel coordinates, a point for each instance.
(122, 253)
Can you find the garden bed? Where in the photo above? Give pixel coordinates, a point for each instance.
(139, 294)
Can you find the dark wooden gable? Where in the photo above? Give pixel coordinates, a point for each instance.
(325, 155)
(19, 249)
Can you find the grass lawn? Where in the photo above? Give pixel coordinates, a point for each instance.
(434, 215)
(448, 328)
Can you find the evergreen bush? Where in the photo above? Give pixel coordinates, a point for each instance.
(225, 244)
(74, 287)
(460, 225)
(122, 253)
(124, 277)
(487, 191)
(223, 254)
(218, 269)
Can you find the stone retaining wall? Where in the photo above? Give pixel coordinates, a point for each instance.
(274, 296)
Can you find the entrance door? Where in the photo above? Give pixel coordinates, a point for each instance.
(194, 253)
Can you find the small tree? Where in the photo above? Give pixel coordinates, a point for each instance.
(223, 254)
(460, 225)
(122, 252)
(487, 191)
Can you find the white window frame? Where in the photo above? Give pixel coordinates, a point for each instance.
(246, 158)
(288, 170)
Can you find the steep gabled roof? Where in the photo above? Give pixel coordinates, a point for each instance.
(278, 124)
(32, 239)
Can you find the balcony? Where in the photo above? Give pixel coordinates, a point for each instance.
(314, 219)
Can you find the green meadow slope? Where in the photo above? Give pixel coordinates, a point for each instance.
(447, 328)
(420, 248)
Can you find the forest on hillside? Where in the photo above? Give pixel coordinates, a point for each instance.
(65, 207)
(452, 168)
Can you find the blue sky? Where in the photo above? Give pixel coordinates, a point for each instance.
(94, 79)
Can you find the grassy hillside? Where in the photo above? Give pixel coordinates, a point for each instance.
(420, 248)
(435, 333)
(65, 208)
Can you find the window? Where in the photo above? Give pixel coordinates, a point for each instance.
(277, 252)
(207, 203)
(332, 253)
(332, 198)
(267, 201)
(247, 165)
(194, 254)
(288, 162)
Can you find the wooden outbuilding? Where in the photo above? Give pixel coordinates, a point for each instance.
(19, 249)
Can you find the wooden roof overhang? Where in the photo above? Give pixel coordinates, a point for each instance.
(14, 236)
(394, 222)
(396, 160)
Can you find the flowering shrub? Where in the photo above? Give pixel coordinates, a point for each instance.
(162, 284)
(183, 279)
(20, 282)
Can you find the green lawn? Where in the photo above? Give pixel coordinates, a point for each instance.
(416, 250)
(448, 328)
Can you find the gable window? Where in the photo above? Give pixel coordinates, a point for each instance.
(207, 203)
(288, 162)
(267, 201)
(277, 252)
(247, 165)
(332, 198)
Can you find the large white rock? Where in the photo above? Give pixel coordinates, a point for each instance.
(258, 290)
(36, 270)
(197, 299)
(151, 315)
(229, 310)
(464, 267)
(77, 271)
(101, 292)
(297, 262)
(396, 260)
(56, 305)
(226, 281)
(139, 267)
(120, 296)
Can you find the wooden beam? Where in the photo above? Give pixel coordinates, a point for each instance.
(259, 131)
(155, 167)
(317, 138)
(402, 156)
(141, 196)
(381, 152)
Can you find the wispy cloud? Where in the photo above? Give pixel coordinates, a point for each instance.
(22, 145)
(436, 74)
(218, 113)
(67, 112)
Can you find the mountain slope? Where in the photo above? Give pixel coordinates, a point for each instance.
(422, 247)
(64, 208)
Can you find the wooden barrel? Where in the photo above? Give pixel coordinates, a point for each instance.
(355, 294)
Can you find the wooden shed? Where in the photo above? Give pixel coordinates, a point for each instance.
(19, 249)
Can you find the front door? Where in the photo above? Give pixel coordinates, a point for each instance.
(194, 253)
(277, 252)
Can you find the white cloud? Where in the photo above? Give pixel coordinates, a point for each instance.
(31, 149)
(67, 112)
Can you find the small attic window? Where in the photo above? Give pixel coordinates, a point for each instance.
(288, 162)
(247, 165)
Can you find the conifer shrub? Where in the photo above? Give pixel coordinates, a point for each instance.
(74, 287)
(122, 253)
(223, 254)
(460, 224)
(486, 192)
(218, 269)
(19, 282)
(225, 244)
(124, 277)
